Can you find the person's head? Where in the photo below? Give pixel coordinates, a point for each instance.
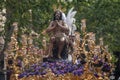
(57, 15)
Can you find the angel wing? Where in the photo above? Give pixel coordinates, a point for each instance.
(70, 20)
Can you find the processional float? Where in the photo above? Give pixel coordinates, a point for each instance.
(85, 59)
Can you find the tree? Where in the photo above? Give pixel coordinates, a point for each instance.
(102, 16)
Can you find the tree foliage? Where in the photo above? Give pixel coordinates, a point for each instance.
(103, 16)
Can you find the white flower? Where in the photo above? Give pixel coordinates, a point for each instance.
(4, 10)
(4, 18)
(3, 24)
(69, 58)
(70, 0)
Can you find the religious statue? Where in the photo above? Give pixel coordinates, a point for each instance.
(60, 31)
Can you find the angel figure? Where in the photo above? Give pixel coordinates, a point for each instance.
(70, 21)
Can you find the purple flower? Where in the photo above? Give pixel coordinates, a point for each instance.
(60, 67)
(106, 67)
(95, 57)
(19, 63)
(44, 64)
(78, 72)
(96, 75)
(36, 73)
(22, 75)
(43, 73)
